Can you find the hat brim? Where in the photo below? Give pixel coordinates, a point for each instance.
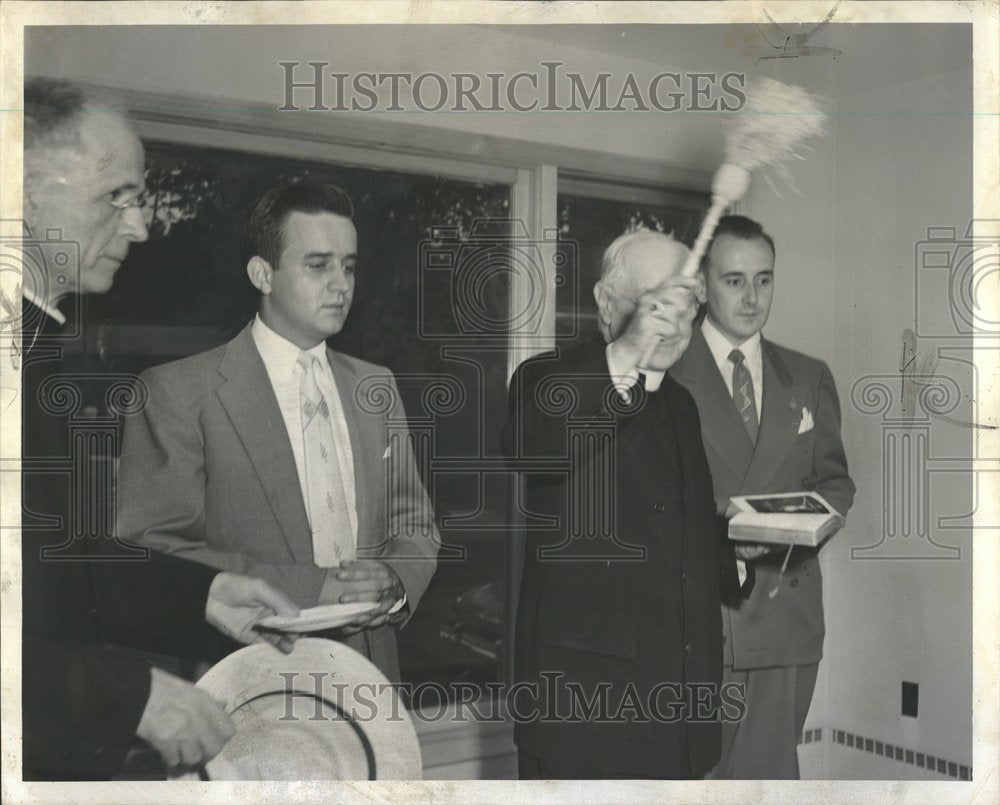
(323, 700)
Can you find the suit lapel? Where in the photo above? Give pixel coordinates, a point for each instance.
(365, 433)
(726, 434)
(689, 445)
(249, 401)
(778, 422)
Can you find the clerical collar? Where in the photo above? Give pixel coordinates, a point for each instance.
(49, 310)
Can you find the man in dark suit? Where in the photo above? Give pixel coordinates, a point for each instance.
(619, 604)
(774, 640)
(84, 704)
(273, 454)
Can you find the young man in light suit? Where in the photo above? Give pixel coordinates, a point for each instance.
(271, 454)
(770, 421)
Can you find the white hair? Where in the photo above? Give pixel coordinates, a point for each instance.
(614, 266)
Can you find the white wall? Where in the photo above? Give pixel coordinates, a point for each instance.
(897, 160)
(241, 64)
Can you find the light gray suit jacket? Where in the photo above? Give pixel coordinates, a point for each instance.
(207, 473)
(788, 457)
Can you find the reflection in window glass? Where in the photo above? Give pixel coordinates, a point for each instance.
(186, 290)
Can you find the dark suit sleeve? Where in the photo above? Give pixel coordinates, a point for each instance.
(158, 605)
(81, 709)
(730, 589)
(82, 704)
(546, 392)
(161, 496)
(830, 476)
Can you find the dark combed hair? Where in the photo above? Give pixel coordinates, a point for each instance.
(265, 228)
(739, 227)
(52, 109)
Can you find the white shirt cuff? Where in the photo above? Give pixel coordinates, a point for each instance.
(624, 377)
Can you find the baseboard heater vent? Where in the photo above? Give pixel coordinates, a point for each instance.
(922, 760)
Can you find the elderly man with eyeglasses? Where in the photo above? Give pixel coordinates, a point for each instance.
(83, 704)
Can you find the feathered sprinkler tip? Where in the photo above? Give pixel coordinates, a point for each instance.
(769, 131)
(773, 124)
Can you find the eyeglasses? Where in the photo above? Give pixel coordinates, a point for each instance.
(121, 199)
(125, 197)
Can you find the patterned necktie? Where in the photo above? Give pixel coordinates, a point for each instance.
(743, 395)
(333, 537)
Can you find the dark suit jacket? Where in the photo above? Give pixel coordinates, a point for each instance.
(208, 473)
(633, 619)
(787, 629)
(81, 701)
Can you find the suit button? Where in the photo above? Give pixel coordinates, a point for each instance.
(659, 507)
(795, 583)
(684, 575)
(723, 640)
(687, 648)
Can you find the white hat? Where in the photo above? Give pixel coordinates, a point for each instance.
(322, 712)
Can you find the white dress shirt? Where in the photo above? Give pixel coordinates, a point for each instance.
(720, 347)
(280, 358)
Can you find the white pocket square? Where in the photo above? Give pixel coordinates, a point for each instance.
(388, 450)
(806, 423)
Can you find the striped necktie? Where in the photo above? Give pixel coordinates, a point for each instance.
(743, 396)
(333, 537)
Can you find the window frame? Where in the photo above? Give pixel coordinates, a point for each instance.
(536, 172)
